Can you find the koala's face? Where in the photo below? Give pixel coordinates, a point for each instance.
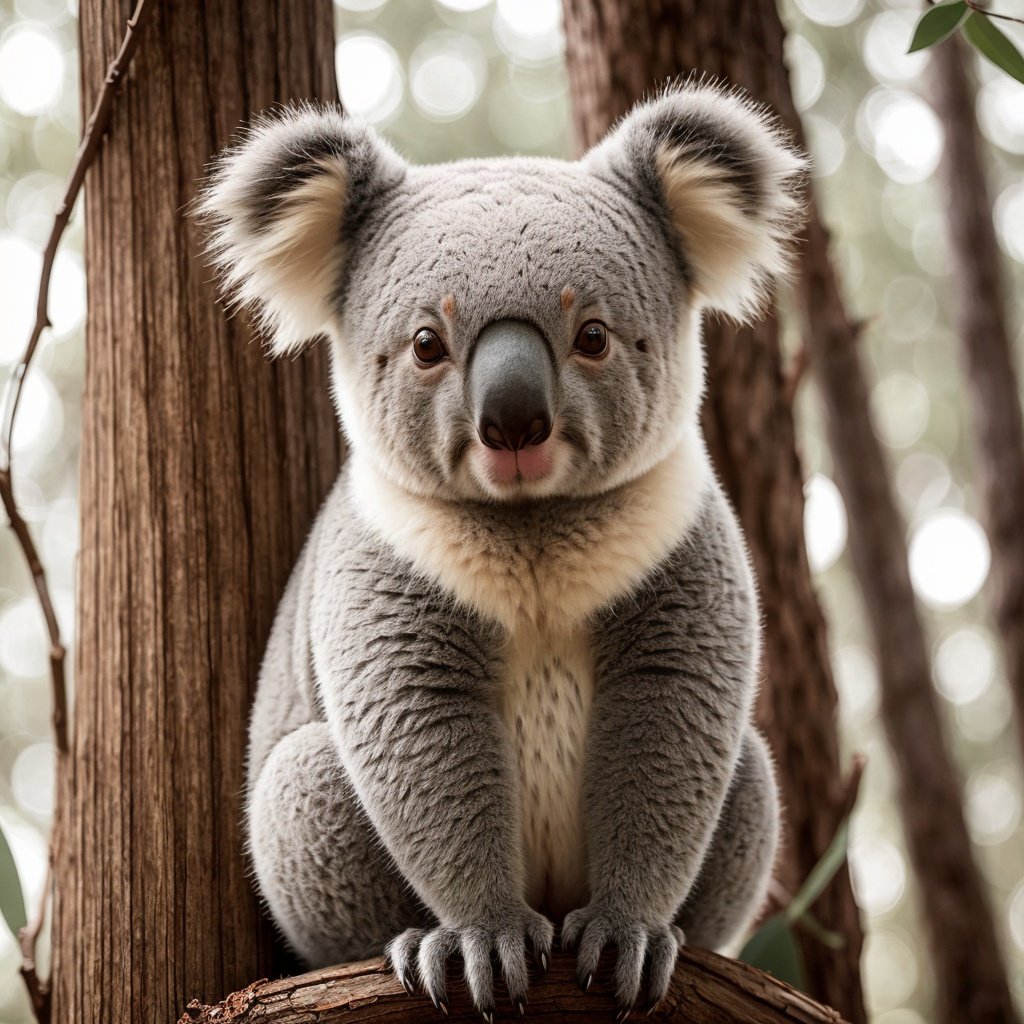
(509, 329)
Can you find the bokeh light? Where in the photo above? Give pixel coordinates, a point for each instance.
(529, 30)
(31, 69)
(1009, 217)
(447, 74)
(885, 46)
(903, 133)
(369, 77)
(892, 969)
(824, 522)
(949, 558)
(964, 664)
(830, 12)
(900, 405)
(878, 874)
(992, 805)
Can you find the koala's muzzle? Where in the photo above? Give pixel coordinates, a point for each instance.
(511, 385)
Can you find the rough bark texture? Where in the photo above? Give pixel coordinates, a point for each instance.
(706, 989)
(980, 315)
(619, 50)
(970, 978)
(202, 467)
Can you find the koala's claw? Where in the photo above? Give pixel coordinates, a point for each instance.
(430, 949)
(590, 929)
(401, 952)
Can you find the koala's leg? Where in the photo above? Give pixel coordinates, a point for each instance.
(734, 875)
(330, 885)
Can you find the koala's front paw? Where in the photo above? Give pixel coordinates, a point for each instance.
(595, 926)
(424, 953)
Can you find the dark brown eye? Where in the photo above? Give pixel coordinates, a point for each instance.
(428, 348)
(592, 340)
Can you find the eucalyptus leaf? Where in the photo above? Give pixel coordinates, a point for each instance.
(773, 949)
(937, 23)
(821, 874)
(12, 902)
(994, 45)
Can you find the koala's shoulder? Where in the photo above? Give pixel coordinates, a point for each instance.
(705, 583)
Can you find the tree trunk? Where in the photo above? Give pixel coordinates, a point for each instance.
(202, 467)
(619, 50)
(986, 351)
(706, 989)
(970, 977)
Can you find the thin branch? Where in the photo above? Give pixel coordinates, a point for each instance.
(95, 128)
(28, 937)
(978, 7)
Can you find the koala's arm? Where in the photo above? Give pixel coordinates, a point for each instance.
(675, 677)
(409, 686)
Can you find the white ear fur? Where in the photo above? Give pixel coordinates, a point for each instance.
(730, 179)
(276, 205)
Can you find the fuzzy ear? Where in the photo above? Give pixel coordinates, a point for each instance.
(726, 177)
(277, 205)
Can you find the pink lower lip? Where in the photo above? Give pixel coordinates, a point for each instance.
(529, 464)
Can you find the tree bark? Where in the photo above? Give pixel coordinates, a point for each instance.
(202, 467)
(618, 51)
(986, 351)
(706, 989)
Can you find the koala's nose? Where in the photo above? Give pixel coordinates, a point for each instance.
(511, 385)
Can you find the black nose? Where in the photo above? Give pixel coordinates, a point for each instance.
(511, 385)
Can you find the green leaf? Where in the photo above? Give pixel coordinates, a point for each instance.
(937, 23)
(821, 874)
(773, 949)
(12, 903)
(994, 45)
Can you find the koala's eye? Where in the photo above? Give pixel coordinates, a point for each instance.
(428, 348)
(592, 340)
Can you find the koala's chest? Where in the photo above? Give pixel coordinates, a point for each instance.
(546, 695)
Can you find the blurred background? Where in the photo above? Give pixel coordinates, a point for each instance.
(456, 78)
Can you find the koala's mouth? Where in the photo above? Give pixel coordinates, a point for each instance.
(507, 469)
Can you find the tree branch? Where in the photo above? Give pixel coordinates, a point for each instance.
(980, 8)
(95, 129)
(706, 989)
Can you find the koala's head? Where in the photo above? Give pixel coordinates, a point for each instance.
(513, 328)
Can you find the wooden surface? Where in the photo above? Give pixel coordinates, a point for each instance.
(706, 989)
(618, 51)
(202, 467)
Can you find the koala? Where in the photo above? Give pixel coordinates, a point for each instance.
(510, 682)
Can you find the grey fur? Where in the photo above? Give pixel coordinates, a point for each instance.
(385, 797)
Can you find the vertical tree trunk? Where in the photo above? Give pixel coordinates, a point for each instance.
(986, 352)
(970, 977)
(618, 50)
(202, 467)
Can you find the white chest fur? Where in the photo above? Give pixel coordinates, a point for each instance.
(545, 702)
(540, 579)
